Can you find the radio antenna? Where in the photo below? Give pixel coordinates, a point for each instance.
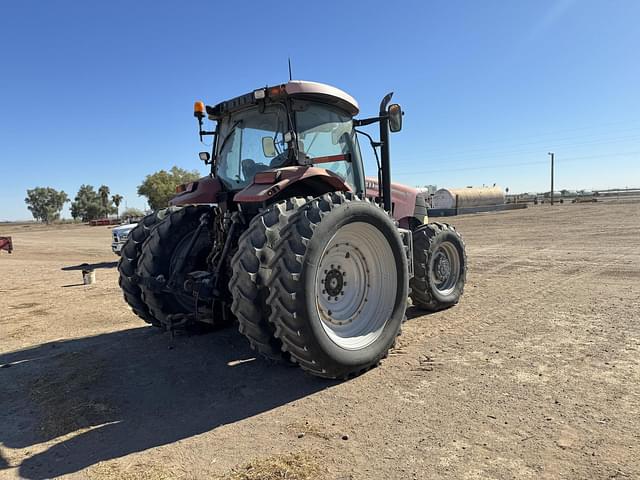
(290, 78)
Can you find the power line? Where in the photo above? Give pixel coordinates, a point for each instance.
(511, 165)
(553, 141)
(463, 169)
(506, 153)
(503, 141)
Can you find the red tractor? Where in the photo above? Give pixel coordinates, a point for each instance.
(288, 238)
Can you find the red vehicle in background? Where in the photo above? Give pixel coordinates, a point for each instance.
(6, 244)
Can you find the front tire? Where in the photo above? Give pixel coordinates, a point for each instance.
(339, 286)
(440, 267)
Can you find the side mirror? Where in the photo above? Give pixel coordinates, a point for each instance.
(395, 117)
(205, 157)
(268, 147)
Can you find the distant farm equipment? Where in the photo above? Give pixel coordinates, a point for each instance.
(6, 244)
(103, 221)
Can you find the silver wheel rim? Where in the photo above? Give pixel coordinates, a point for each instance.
(445, 267)
(355, 286)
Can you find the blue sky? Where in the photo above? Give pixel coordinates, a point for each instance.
(102, 92)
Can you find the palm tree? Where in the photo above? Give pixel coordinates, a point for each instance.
(116, 199)
(104, 192)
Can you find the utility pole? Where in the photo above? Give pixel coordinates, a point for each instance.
(552, 158)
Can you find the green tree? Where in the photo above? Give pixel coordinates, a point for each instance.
(87, 205)
(160, 187)
(117, 199)
(45, 203)
(104, 192)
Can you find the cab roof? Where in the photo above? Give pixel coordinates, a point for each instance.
(302, 89)
(323, 92)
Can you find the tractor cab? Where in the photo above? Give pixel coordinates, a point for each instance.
(297, 124)
(299, 136)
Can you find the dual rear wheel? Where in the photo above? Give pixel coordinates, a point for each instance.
(323, 282)
(338, 287)
(128, 264)
(153, 251)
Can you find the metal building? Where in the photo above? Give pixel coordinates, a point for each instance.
(467, 197)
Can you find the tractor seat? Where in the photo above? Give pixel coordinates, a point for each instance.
(250, 168)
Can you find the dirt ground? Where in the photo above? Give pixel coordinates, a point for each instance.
(535, 374)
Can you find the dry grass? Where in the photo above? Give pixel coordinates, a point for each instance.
(138, 471)
(291, 466)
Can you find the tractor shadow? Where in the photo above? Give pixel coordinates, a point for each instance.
(132, 390)
(415, 312)
(90, 266)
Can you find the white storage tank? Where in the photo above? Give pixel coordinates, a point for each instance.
(467, 197)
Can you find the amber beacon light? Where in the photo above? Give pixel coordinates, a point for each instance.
(198, 109)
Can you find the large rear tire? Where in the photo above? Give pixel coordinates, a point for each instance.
(440, 267)
(251, 269)
(339, 285)
(160, 253)
(128, 263)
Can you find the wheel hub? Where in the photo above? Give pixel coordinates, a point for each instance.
(443, 268)
(343, 288)
(333, 282)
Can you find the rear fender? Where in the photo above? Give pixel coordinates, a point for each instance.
(203, 190)
(291, 181)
